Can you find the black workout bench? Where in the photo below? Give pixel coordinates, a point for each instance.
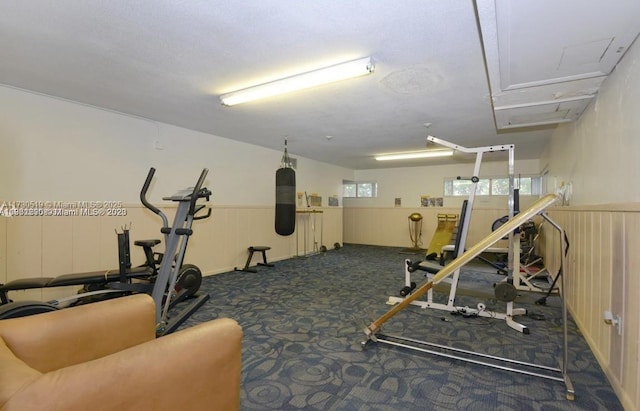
(253, 249)
(77, 279)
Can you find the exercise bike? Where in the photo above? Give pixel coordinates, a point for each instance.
(172, 284)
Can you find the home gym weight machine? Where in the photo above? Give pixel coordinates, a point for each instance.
(374, 330)
(505, 291)
(172, 284)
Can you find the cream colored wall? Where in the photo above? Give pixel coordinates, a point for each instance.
(389, 226)
(56, 150)
(50, 246)
(376, 221)
(598, 155)
(410, 183)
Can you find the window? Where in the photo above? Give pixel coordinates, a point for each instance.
(491, 186)
(454, 187)
(500, 187)
(360, 189)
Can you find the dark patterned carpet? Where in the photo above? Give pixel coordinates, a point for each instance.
(303, 320)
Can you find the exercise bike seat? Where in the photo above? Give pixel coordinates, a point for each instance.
(147, 243)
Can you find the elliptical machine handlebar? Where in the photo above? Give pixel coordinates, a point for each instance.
(145, 188)
(198, 192)
(201, 217)
(146, 203)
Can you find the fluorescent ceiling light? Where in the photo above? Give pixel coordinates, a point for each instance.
(415, 154)
(314, 78)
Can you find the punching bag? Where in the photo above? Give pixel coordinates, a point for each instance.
(285, 196)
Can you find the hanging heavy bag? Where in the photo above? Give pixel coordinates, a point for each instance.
(285, 223)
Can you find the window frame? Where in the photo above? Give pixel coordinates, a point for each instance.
(534, 184)
(373, 189)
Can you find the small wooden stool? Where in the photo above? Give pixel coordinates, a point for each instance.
(252, 249)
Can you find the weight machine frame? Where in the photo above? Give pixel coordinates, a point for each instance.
(374, 333)
(513, 240)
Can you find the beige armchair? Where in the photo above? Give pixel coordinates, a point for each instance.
(104, 356)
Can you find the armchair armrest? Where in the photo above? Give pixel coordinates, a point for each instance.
(58, 339)
(197, 368)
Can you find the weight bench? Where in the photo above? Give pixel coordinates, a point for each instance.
(77, 279)
(253, 249)
(450, 251)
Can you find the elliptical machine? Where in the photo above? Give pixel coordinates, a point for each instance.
(172, 285)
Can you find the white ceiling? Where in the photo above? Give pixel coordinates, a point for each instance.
(169, 60)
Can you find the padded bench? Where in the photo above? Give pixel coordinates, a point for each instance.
(429, 266)
(448, 251)
(94, 277)
(253, 249)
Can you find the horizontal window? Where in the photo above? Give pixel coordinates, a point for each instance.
(359, 189)
(454, 187)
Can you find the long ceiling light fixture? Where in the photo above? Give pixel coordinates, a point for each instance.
(414, 155)
(343, 71)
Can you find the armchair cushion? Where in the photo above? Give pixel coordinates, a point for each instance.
(104, 356)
